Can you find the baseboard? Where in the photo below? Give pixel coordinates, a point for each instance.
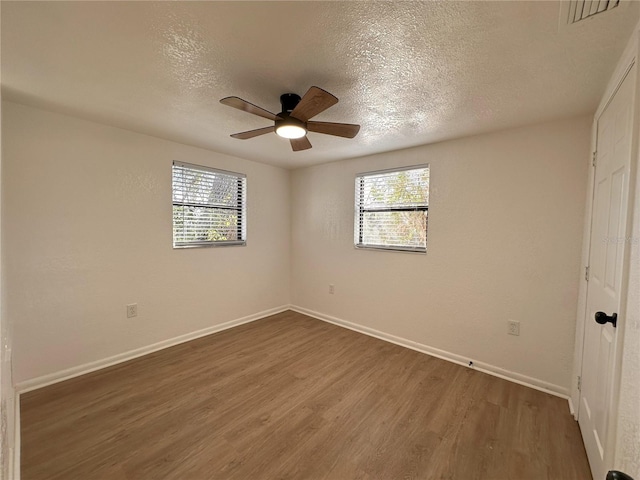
(72, 372)
(515, 377)
(14, 460)
(572, 410)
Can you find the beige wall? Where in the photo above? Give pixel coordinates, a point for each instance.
(504, 240)
(87, 229)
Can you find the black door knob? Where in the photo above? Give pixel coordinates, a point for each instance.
(602, 318)
(616, 475)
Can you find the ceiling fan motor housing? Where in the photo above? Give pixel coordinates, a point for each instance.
(289, 101)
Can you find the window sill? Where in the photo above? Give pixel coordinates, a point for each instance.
(210, 244)
(383, 248)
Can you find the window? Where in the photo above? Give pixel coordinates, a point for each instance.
(209, 206)
(391, 209)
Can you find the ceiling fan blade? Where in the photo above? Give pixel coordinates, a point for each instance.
(253, 133)
(248, 107)
(347, 130)
(316, 100)
(298, 144)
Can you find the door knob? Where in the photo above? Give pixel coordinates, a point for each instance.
(616, 475)
(602, 318)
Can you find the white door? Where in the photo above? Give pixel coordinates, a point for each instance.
(608, 231)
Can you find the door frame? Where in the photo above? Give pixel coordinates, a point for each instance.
(628, 59)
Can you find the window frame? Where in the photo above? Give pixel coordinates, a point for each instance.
(360, 211)
(242, 209)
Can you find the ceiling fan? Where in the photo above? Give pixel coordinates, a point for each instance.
(293, 121)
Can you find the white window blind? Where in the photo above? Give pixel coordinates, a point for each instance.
(209, 206)
(392, 209)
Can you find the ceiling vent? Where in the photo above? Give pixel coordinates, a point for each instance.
(577, 10)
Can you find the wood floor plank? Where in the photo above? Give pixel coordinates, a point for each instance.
(290, 397)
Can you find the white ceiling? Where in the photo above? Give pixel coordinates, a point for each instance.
(410, 73)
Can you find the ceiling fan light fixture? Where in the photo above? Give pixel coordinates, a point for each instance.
(291, 131)
(290, 127)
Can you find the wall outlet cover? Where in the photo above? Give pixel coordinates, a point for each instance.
(513, 327)
(132, 310)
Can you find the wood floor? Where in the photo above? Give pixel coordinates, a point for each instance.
(290, 397)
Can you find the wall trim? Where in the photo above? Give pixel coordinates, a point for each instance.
(51, 378)
(624, 64)
(14, 460)
(572, 410)
(514, 377)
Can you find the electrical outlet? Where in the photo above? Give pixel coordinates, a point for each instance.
(332, 288)
(132, 310)
(513, 327)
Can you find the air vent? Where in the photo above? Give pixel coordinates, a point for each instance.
(582, 9)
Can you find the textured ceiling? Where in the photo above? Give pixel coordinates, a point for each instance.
(409, 72)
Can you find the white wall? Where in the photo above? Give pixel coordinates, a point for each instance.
(87, 229)
(504, 242)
